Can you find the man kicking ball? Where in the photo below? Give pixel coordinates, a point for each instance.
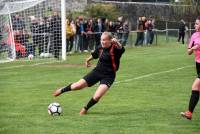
(109, 54)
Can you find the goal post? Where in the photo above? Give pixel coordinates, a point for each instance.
(32, 27)
(63, 17)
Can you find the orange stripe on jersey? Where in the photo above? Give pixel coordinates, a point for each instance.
(113, 58)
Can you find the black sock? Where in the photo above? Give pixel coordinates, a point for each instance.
(193, 100)
(66, 89)
(91, 103)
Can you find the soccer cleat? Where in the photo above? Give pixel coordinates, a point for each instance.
(83, 111)
(57, 92)
(187, 115)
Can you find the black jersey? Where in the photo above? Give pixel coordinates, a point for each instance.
(109, 59)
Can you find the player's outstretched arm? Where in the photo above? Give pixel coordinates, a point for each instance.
(87, 62)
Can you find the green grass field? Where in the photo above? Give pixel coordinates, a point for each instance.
(152, 87)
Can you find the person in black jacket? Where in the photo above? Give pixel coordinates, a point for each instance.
(111, 27)
(98, 29)
(181, 31)
(55, 30)
(109, 54)
(34, 31)
(42, 36)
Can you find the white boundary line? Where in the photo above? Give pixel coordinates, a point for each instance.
(29, 65)
(152, 74)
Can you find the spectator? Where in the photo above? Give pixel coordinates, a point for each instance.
(119, 28)
(24, 40)
(73, 25)
(140, 32)
(35, 31)
(55, 30)
(85, 40)
(98, 29)
(77, 36)
(89, 31)
(150, 33)
(17, 23)
(111, 27)
(125, 33)
(82, 37)
(106, 25)
(182, 31)
(43, 29)
(70, 36)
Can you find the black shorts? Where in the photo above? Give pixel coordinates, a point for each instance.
(198, 69)
(95, 76)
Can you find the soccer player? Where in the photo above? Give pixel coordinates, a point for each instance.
(109, 54)
(194, 47)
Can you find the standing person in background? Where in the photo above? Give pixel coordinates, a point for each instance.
(17, 23)
(106, 25)
(77, 36)
(125, 33)
(181, 31)
(194, 47)
(42, 37)
(34, 30)
(98, 29)
(144, 21)
(46, 34)
(55, 30)
(82, 31)
(111, 27)
(140, 32)
(73, 25)
(85, 40)
(70, 36)
(119, 28)
(89, 31)
(150, 34)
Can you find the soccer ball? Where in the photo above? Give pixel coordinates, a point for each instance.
(54, 109)
(30, 57)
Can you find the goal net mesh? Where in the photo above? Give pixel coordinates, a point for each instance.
(30, 27)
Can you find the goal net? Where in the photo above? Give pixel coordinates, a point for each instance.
(33, 28)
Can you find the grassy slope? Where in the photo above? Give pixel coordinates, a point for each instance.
(145, 106)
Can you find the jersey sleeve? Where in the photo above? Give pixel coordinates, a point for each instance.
(120, 51)
(95, 54)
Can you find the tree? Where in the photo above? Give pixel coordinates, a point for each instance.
(188, 9)
(108, 11)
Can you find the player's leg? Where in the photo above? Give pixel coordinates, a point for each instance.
(101, 90)
(193, 99)
(105, 84)
(74, 86)
(194, 95)
(89, 80)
